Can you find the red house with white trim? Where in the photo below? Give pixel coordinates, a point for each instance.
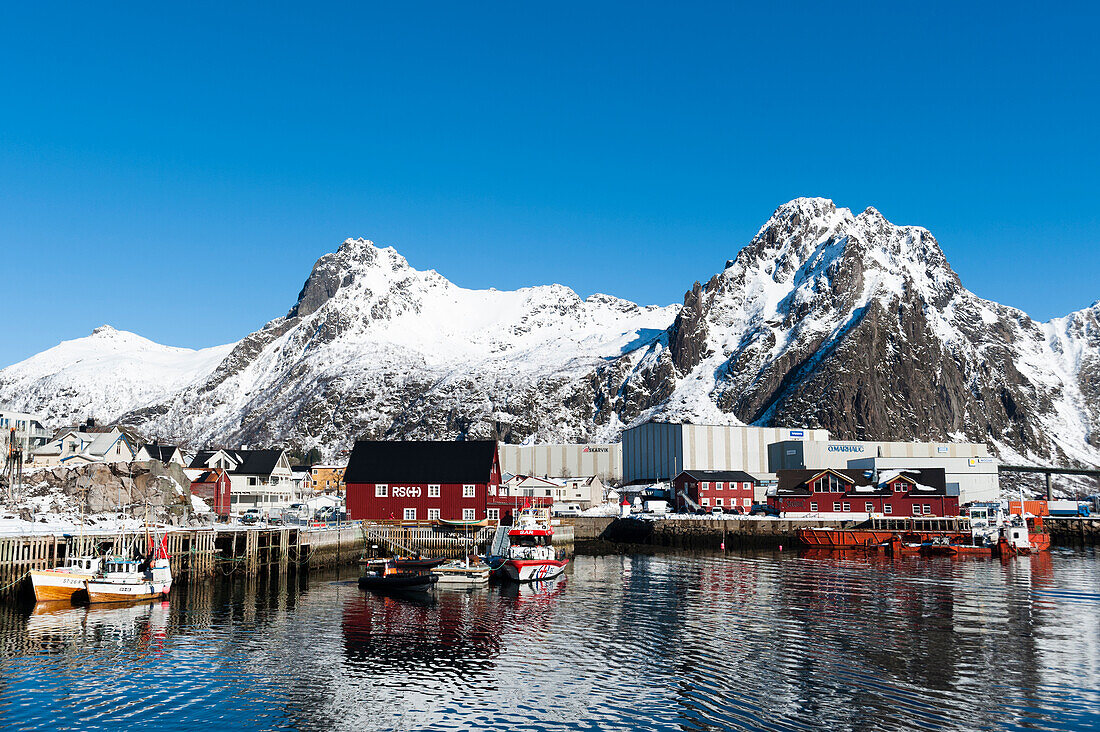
(213, 486)
(423, 481)
(898, 493)
(726, 489)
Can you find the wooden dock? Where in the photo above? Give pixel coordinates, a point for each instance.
(197, 554)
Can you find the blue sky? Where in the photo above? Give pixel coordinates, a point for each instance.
(176, 172)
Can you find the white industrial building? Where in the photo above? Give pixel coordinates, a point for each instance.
(566, 461)
(660, 451)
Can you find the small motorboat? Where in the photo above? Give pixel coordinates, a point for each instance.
(457, 573)
(62, 583)
(399, 575)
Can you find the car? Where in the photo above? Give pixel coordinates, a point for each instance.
(716, 511)
(251, 516)
(567, 511)
(763, 509)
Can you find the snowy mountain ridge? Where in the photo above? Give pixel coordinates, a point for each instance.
(825, 319)
(831, 319)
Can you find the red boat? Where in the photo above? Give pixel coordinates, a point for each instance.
(991, 534)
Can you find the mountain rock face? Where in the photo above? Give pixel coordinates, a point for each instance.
(847, 322)
(376, 348)
(825, 319)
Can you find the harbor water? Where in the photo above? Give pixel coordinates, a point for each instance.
(770, 640)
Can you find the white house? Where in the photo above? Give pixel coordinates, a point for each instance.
(25, 428)
(260, 479)
(86, 445)
(164, 453)
(584, 491)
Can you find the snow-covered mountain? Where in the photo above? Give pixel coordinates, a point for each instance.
(848, 322)
(105, 375)
(375, 347)
(825, 319)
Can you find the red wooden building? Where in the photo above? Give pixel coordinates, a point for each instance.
(900, 493)
(726, 489)
(423, 481)
(213, 486)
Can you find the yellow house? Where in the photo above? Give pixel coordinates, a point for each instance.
(327, 478)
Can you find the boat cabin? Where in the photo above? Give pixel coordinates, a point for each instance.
(84, 565)
(121, 565)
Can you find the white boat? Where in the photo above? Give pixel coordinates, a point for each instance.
(62, 583)
(125, 580)
(462, 574)
(531, 554)
(129, 580)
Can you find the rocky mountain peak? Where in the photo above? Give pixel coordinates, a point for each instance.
(354, 260)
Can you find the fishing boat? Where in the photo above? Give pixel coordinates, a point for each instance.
(123, 579)
(458, 573)
(63, 583)
(398, 575)
(531, 555)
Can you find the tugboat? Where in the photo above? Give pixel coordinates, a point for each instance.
(531, 554)
(398, 575)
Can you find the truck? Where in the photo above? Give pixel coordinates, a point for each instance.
(1068, 508)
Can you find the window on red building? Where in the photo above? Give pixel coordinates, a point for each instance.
(410, 514)
(381, 491)
(468, 491)
(433, 491)
(847, 506)
(433, 514)
(836, 506)
(813, 506)
(868, 507)
(916, 510)
(717, 501)
(927, 509)
(468, 514)
(887, 508)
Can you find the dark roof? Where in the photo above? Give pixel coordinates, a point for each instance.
(736, 476)
(420, 462)
(209, 476)
(301, 468)
(797, 481)
(160, 452)
(249, 462)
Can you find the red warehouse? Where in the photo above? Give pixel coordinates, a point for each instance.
(727, 489)
(213, 487)
(898, 493)
(422, 481)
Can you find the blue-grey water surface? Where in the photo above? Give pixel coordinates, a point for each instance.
(670, 642)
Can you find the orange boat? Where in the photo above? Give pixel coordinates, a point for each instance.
(989, 528)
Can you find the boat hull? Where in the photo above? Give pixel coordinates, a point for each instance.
(100, 592)
(51, 586)
(874, 540)
(398, 583)
(533, 570)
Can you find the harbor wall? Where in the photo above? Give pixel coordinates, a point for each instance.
(702, 533)
(1073, 531)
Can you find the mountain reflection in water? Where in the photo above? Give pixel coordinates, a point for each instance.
(670, 641)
